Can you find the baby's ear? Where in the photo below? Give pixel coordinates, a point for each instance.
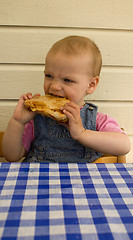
(92, 85)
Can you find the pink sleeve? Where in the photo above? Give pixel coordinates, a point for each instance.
(28, 135)
(105, 123)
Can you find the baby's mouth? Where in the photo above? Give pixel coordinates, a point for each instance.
(55, 95)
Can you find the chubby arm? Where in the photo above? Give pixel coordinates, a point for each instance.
(114, 143)
(12, 140)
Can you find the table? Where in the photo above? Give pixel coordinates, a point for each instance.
(66, 201)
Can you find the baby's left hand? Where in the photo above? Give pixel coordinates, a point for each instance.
(74, 124)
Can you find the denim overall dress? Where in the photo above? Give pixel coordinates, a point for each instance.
(53, 142)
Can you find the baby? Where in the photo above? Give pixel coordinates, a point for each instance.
(72, 71)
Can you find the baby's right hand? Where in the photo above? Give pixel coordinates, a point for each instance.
(21, 114)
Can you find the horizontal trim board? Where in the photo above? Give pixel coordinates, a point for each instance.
(20, 28)
(76, 13)
(30, 46)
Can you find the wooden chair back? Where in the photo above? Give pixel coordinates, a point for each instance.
(111, 159)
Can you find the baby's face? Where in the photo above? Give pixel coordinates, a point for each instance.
(67, 76)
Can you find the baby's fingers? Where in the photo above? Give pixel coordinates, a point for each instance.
(37, 94)
(72, 108)
(26, 96)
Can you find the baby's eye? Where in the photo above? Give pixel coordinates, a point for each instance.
(48, 76)
(67, 80)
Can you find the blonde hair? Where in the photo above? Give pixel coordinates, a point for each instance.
(76, 45)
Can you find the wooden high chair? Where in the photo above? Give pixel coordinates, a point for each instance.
(104, 159)
(111, 159)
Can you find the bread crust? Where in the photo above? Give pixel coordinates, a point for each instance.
(48, 105)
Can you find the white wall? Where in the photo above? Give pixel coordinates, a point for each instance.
(28, 28)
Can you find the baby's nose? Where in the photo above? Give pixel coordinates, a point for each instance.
(56, 85)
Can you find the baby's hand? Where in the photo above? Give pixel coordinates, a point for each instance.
(21, 114)
(74, 124)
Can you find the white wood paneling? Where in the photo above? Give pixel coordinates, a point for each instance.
(30, 45)
(6, 111)
(20, 79)
(116, 14)
(116, 84)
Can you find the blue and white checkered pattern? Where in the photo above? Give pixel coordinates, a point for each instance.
(66, 201)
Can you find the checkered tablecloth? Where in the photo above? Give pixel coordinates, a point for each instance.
(66, 201)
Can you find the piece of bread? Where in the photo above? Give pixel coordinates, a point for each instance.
(48, 105)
